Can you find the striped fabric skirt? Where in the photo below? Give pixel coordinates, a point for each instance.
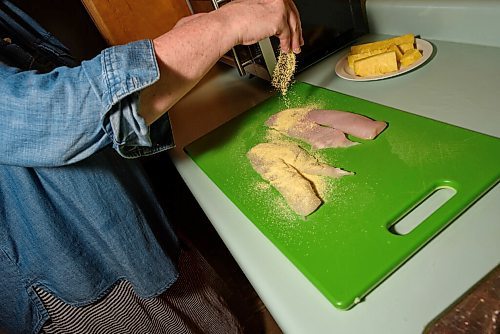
(193, 304)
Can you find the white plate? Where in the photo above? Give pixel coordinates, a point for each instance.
(344, 71)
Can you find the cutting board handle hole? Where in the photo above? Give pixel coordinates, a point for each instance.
(431, 203)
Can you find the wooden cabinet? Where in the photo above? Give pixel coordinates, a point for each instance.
(123, 21)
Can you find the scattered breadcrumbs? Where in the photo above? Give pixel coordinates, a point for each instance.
(283, 72)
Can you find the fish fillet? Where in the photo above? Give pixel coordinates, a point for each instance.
(347, 122)
(295, 123)
(285, 166)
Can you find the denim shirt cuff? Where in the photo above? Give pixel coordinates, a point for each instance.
(126, 70)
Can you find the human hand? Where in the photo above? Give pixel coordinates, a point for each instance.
(253, 20)
(187, 52)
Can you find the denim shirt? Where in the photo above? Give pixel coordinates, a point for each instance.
(76, 215)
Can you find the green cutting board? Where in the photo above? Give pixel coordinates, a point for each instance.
(347, 246)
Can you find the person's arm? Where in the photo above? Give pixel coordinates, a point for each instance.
(192, 47)
(68, 114)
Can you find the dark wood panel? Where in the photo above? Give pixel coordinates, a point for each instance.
(123, 21)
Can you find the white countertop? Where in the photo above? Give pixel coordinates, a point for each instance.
(459, 86)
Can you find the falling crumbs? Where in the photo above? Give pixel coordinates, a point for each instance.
(283, 72)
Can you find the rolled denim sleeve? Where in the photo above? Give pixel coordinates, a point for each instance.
(66, 115)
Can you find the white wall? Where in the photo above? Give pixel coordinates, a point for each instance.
(463, 21)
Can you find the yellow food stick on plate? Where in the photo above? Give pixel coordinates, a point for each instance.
(352, 58)
(406, 46)
(398, 52)
(410, 57)
(376, 65)
(383, 44)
